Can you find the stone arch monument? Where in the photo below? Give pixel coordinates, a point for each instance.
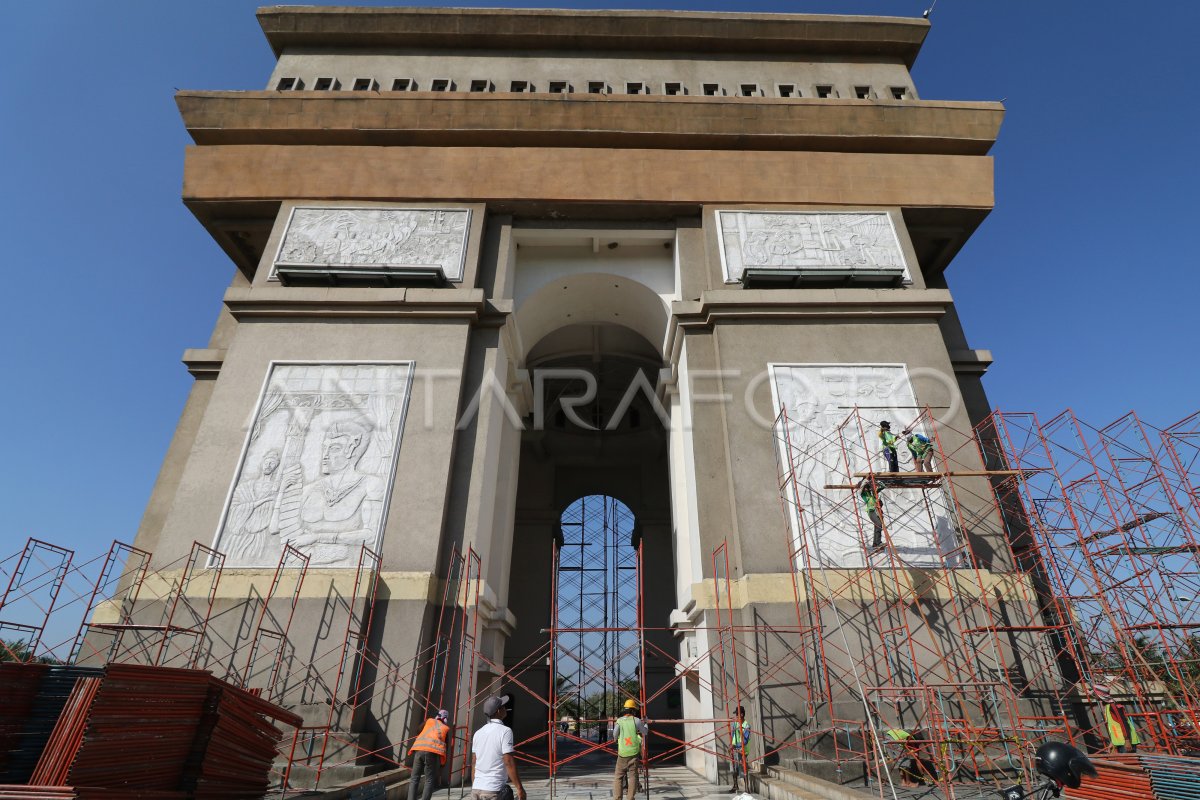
(473, 286)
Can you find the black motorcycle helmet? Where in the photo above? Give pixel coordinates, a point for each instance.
(1063, 763)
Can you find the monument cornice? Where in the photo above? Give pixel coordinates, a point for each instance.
(248, 304)
(294, 27)
(629, 176)
(204, 362)
(764, 306)
(587, 120)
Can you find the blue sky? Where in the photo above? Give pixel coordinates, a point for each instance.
(1082, 281)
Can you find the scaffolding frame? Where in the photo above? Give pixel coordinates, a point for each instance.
(293, 567)
(34, 584)
(723, 669)
(181, 616)
(1116, 522)
(1035, 562)
(931, 645)
(452, 652)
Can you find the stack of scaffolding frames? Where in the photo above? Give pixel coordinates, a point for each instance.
(130, 613)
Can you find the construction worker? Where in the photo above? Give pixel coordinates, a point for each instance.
(873, 504)
(492, 761)
(1121, 730)
(430, 742)
(914, 770)
(890, 441)
(739, 738)
(630, 733)
(922, 451)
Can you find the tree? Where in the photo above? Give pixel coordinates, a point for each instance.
(18, 650)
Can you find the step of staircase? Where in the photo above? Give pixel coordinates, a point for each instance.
(845, 773)
(780, 783)
(304, 777)
(775, 789)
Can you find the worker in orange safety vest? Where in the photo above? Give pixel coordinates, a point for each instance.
(430, 742)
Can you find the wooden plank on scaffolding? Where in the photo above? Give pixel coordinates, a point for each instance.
(958, 473)
(924, 480)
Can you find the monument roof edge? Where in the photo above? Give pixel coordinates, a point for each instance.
(548, 29)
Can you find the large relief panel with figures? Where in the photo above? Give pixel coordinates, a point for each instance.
(376, 238)
(811, 241)
(318, 464)
(826, 445)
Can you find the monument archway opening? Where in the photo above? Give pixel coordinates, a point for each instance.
(593, 504)
(597, 632)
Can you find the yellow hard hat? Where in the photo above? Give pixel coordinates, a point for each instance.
(630, 703)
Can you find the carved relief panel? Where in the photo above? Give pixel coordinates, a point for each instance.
(811, 241)
(819, 398)
(397, 239)
(318, 464)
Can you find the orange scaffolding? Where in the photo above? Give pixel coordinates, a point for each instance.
(440, 674)
(930, 651)
(1035, 577)
(599, 643)
(1115, 520)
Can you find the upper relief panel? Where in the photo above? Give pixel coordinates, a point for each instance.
(810, 245)
(371, 240)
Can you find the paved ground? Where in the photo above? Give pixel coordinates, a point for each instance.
(961, 792)
(589, 777)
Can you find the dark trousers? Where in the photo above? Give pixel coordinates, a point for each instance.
(736, 762)
(427, 764)
(893, 459)
(877, 541)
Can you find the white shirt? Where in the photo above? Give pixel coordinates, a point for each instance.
(490, 744)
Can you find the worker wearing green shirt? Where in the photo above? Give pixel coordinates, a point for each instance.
(890, 441)
(922, 451)
(737, 752)
(873, 504)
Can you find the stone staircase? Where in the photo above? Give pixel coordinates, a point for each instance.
(343, 760)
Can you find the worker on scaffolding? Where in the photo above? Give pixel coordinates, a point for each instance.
(914, 769)
(630, 733)
(430, 742)
(873, 504)
(1121, 731)
(922, 450)
(890, 442)
(739, 737)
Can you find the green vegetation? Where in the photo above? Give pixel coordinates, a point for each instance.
(18, 650)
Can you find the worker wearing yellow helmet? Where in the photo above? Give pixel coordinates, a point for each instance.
(630, 734)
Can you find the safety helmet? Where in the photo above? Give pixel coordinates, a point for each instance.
(885, 424)
(1063, 763)
(630, 703)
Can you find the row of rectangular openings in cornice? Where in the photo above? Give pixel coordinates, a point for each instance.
(861, 92)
